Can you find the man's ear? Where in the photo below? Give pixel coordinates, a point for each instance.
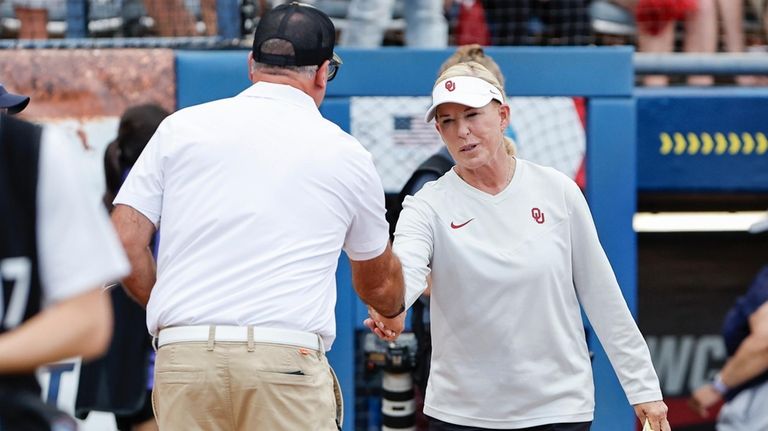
(321, 76)
(251, 65)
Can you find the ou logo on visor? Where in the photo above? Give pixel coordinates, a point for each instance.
(450, 85)
(537, 215)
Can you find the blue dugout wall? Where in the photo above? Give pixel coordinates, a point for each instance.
(703, 140)
(605, 76)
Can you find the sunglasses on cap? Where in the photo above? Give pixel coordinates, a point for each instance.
(333, 66)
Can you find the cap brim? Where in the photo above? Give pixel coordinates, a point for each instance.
(474, 101)
(13, 102)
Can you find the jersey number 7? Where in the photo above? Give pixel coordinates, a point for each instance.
(18, 271)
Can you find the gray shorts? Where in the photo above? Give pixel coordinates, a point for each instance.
(746, 412)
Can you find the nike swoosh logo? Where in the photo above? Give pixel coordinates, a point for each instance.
(456, 226)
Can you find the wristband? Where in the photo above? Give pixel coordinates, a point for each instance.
(392, 316)
(718, 384)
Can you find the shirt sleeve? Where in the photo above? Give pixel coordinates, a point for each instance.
(601, 298)
(420, 180)
(757, 294)
(368, 234)
(77, 247)
(413, 245)
(143, 188)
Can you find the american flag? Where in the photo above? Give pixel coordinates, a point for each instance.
(412, 130)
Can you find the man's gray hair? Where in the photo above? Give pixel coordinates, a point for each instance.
(282, 47)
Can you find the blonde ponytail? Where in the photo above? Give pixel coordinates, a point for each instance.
(510, 146)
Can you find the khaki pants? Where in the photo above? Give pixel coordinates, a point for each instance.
(229, 386)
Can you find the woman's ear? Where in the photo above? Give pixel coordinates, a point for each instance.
(504, 114)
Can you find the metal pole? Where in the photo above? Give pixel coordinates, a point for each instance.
(694, 64)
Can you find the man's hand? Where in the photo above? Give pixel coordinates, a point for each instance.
(703, 398)
(655, 412)
(386, 329)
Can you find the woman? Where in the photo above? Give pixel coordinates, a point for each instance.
(512, 251)
(439, 162)
(121, 381)
(429, 170)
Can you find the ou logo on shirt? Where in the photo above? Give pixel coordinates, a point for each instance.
(537, 215)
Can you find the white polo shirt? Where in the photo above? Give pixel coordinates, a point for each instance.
(78, 249)
(255, 196)
(508, 274)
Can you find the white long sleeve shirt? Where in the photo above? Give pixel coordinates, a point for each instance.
(508, 274)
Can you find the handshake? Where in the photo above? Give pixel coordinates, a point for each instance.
(386, 328)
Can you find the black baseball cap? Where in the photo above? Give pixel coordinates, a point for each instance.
(14, 103)
(309, 30)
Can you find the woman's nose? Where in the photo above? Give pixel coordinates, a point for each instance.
(464, 130)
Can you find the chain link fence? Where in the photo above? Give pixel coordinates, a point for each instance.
(50, 19)
(534, 22)
(488, 22)
(522, 22)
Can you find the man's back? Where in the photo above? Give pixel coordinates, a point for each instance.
(226, 254)
(255, 198)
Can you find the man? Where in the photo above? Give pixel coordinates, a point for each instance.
(743, 380)
(255, 197)
(56, 248)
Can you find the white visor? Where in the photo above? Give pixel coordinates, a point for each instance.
(464, 90)
(760, 226)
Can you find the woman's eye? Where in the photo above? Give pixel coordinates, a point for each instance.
(472, 114)
(446, 121)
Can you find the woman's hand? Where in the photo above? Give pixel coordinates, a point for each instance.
(386, 329)
(655, 412)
